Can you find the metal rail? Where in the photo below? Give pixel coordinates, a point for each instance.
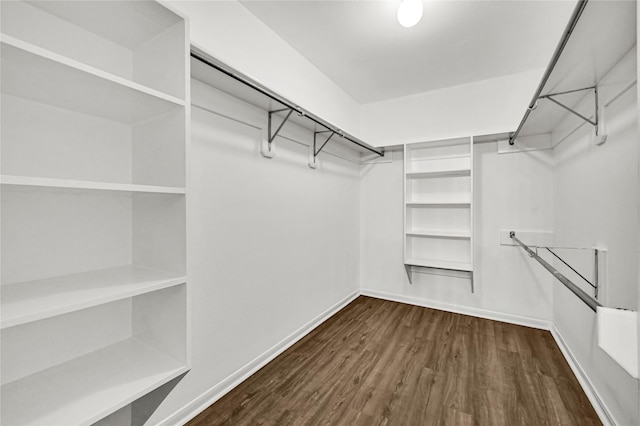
(577, 12)
(206, 59)
(588, 300)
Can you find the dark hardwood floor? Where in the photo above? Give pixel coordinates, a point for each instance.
(386, 363)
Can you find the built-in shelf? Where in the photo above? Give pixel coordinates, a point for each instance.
(35, 300)
(439, 173)
(88, 388)
(33, 73)
(36, 182)
(438, 207)
(439, 233)
(93, 299)
(444, 165)
(438, 203)
(440, 264)
(420, 200)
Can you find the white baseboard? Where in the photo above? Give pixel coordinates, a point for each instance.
(196, 406)
(460, 309)
(601, 409)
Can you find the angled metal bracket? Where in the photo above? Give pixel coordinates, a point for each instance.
(314, 151)
(597, 122)
(555, 101)
(315, 137)
(267, 148)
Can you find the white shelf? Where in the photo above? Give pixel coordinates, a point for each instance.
(35, 300)
(439, 157)
(88, 388)
(438, 233)
(438, 173)
(438, 204)
(439, 165)
(453, 200)
(440, 264)
(33, 73)
(36, 182)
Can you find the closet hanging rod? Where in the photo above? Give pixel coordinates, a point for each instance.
(577, 12)
(213, 63)
(582, 295)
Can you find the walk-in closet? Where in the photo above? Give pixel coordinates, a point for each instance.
(402, 212)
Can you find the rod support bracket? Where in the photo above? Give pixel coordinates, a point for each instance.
(314, 151)
(597, 120)
(268, 147)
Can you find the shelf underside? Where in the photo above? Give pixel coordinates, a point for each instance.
(88, 388)
(126, 23)
(34, 300)
(439, 264)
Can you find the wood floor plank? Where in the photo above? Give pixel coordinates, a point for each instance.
(384, 363)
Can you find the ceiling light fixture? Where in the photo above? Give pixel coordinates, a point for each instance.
(409, 12)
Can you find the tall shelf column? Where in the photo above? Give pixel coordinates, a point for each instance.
(93, 291)
(438, 205)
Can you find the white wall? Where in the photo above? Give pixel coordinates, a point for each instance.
(481, 108)
(596, 204)
(272, 244)
(512, 191)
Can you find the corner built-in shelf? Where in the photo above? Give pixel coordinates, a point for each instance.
(438, 208)
(30, 72)
(35, 300)
(88, 388)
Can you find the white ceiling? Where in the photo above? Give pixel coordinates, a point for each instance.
(362, 48)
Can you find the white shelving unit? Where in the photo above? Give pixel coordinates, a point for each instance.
(93, 290)
(438, 208)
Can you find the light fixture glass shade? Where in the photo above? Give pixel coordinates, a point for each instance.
(409, 12)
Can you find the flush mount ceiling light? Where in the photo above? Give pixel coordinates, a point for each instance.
(409, 12)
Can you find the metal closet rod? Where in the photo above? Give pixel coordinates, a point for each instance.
(204, 58)
(582, 295)
(577, 12)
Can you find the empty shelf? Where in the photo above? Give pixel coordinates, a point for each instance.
(34, 300)
(439, 264)
(438, 233)
(88, 388)
(463, 200)
(438, 173)
(439, 165)
(36, 74)
(27, 181)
